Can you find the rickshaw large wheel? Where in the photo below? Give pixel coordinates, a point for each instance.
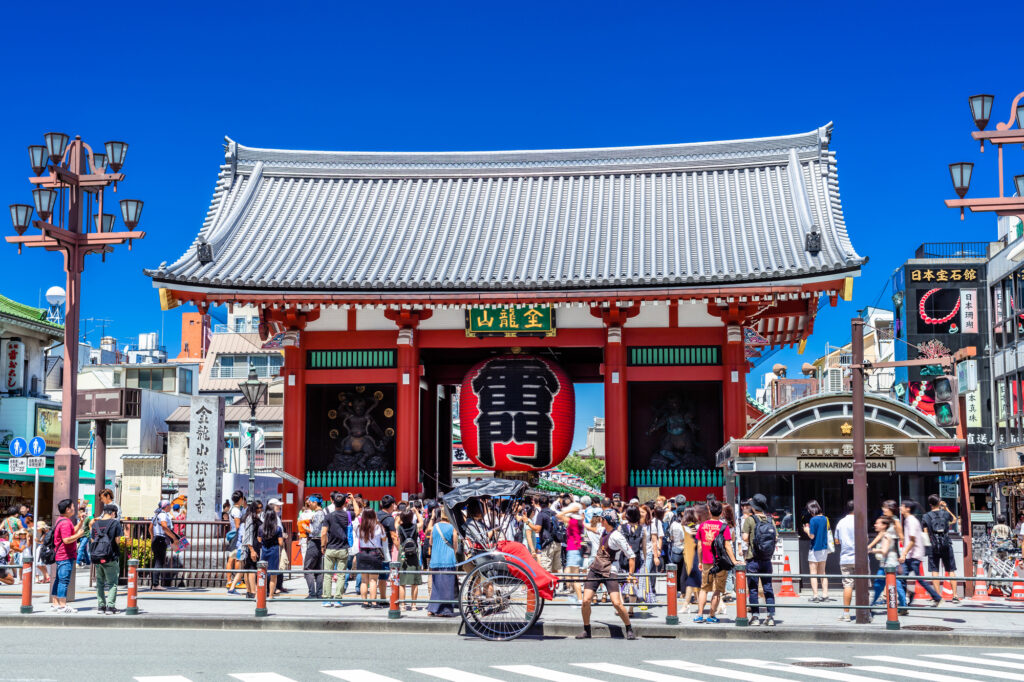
(493, 602)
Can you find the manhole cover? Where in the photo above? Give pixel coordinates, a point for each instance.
(822, 664)
(928, 628)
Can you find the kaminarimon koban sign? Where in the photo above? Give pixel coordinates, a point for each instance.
(517, 413)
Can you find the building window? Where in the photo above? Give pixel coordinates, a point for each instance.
(185, 382)
(84, 432)
(237, 366)
(155, 379)
(117, 434)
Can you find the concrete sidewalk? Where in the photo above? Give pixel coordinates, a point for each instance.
(215, 609)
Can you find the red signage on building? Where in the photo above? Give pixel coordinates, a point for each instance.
(517, 413)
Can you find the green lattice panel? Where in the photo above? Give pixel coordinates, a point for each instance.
(351, 359)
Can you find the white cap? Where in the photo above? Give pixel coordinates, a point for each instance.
(274, 501)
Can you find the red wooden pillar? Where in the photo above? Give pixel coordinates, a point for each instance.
(294, 373)
(616, 404)
(734, 383)
(407, 438)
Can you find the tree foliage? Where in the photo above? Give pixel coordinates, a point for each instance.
(587, 467)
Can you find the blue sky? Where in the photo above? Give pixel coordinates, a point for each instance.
(173, 78)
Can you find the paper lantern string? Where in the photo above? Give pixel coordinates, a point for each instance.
(931, 320)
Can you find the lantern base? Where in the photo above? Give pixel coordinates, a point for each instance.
(531, 478)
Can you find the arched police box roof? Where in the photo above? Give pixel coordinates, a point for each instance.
(675, 215)
(790, 420)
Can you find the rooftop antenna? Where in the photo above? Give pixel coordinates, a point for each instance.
(55, 297)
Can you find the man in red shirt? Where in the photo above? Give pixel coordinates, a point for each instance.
(65, 538)
(712, 582)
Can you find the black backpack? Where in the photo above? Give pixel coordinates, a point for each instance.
(635, 540)
(762, 544)
(101, 545)
(48, 548)
(556, 530)
(938, 532)
(410, 544)
(722, 560)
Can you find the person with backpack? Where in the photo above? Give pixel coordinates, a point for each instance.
(937, 524)
(60, 546)
(313, 558)
(759, 537)
(105, 556)
(635, 534)
(913, 553)
(714, 541)
(163, 536)
(552, 536)
(409, 528)
(335, 541)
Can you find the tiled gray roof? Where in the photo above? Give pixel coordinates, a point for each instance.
(685, 214)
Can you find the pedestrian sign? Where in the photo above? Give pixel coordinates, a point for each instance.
(35, 462)
(18, 448)
(37, 446)
(17, 466)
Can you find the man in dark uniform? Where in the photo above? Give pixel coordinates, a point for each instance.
(602, 571)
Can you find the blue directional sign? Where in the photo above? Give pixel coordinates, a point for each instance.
(19, 448)
(37, 446)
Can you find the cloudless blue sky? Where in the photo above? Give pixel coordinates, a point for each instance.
(173, 78)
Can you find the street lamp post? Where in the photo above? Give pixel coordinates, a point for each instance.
(70, 180)
(254, 391)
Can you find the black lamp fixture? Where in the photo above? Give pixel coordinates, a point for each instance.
(104, 223)
(253, 390)
(56, 143)
(115, 153)
(37, 156)
(21, 216)
(981, 109)
(45, 199)
(131, 209)
(961, 175)
(99, 162)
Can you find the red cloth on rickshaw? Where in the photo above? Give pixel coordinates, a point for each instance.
(545, 581)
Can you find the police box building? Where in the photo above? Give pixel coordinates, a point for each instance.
(393, 278)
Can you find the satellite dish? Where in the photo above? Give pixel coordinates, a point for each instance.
(55, 296)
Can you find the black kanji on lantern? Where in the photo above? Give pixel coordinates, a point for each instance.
(514, 400)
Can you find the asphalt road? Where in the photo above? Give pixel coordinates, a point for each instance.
(82, 654)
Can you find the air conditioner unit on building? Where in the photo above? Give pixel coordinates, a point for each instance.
(952, 466)
(832, 380)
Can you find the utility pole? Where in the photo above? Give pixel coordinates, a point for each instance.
(860, 471)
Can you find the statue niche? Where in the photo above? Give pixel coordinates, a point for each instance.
(363, 447)
(680, 447)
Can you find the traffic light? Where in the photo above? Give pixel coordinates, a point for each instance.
(947, 401)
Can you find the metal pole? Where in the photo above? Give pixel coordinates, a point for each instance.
(860, 469)
(966, 532)
(252, 453)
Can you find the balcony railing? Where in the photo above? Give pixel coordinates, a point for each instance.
(239, 327)
(952, 250)
(265, 460)
(242, 371)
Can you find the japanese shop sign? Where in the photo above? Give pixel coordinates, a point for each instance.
(510, 321)
(972, 401)
(871, 449)
(14, 365)
(205, 454)
(48, 425)
(931, 275)
(842, 465)
(969, 311)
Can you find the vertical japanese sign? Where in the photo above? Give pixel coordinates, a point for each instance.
(205, 454)
(972, 401)
(969, 311)
(14, 365)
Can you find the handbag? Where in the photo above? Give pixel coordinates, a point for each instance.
(831, 537)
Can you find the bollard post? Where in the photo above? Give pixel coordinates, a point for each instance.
(892, 618)
(741, 595)
(133, 588)
(26, 584)
(672, 615)
(261, 589)
(394, 610)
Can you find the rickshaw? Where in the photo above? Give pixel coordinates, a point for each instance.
(503, 594)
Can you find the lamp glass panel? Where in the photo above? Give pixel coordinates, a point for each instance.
(981, 109)
(37, 157)
(107, 223)
(131, 210)
(1020, 116)
(55, 145)
(99, 162)
(965, 173)
(21, 215)
(45, 199)
(116, 152)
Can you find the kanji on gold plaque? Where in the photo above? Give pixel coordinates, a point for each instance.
(510, 321)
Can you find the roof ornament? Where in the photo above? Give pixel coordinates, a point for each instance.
(204, 251)
(813, 244)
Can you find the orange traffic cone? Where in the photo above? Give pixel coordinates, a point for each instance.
(787, 582)
(1018, 586)
(980, 590)
(919, 591)
(948, 591)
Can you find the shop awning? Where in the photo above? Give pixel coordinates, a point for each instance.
(45, 476)
(1005, 475)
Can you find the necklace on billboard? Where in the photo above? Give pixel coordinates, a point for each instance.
(931, 320)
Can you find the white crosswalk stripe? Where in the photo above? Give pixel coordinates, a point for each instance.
(715, 670)
(818, 673)
(261, 677)
(635, 673)
(453, 675)
(162, 678)
(543, 673)
(358, 676)
(903, 673)
(953, 658)
(948, 667)
(1016, 657)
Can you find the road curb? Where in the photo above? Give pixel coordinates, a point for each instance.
(453, 626)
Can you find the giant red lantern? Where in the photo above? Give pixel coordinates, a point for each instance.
(517, 413)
